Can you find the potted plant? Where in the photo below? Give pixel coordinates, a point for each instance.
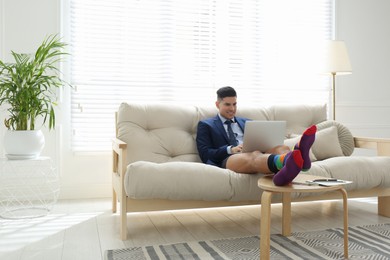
(28, 89)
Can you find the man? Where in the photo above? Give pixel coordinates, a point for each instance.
(217, 147)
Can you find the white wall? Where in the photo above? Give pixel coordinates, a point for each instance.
(362, 97)
(22, 30)
(23, 26)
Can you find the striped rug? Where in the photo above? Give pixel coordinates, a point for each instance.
(365, 242)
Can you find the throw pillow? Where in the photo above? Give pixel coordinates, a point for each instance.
(327, 144)
(290, 142)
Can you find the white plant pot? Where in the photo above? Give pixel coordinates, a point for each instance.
(20, 145)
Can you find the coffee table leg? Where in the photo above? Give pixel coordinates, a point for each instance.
(286, 214)
(345, 208)
(265, 225)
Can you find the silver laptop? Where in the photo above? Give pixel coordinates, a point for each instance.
(263, 135)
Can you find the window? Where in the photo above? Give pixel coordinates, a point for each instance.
(182, 51)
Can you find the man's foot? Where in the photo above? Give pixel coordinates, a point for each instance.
(304, 145)
(290, 170)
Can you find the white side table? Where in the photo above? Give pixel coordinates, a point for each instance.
(28, 188)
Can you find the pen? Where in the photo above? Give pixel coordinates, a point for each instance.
(306, 183)
(331, 179)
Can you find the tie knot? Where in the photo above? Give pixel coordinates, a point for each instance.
(229, 122)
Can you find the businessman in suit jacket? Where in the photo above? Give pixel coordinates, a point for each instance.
(213, 140)
(219, 148)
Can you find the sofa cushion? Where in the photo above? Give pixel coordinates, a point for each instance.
(332, 139)
(178, 181)
(291, 142)
(158, 133)
(366, 172)
(327, 144)
(345, 136)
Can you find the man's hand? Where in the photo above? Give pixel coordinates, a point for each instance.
(237, 149)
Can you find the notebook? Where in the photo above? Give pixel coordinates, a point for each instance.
(263, 135)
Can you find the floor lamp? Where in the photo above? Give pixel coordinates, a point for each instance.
(337, 63)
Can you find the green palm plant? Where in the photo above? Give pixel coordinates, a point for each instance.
(28, 86)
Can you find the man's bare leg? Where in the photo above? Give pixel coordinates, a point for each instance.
(253, 162)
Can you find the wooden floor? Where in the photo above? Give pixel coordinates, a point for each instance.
(84, 229)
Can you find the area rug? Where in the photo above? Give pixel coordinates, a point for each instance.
(365, 242)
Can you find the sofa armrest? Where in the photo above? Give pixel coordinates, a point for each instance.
(119, 152)
(381, 145)
(119, 165)
(118, 144)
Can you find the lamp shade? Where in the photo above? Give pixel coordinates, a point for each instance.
(337, 58)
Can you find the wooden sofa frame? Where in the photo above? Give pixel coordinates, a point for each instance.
(382, 146)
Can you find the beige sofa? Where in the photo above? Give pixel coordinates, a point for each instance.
(156, 165)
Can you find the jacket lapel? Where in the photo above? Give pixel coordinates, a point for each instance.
(218, 124)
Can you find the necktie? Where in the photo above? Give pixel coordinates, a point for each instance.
(232, 136)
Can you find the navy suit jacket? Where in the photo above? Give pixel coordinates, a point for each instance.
(212, 140)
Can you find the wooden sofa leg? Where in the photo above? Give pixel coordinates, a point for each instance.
(114, 202)
(123, 220)
(383, 206)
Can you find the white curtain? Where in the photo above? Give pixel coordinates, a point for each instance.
(182, 51)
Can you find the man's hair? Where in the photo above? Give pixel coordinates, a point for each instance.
(226, 92)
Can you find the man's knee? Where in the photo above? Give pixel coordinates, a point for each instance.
(257, 159)
(244, 162)
(255, 154)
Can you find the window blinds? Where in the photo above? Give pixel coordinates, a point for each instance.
(182, 51)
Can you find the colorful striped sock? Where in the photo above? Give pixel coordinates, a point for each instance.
(280, 160)
(277, 161)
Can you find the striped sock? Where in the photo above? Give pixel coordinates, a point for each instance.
(277, 161)
(280, 160)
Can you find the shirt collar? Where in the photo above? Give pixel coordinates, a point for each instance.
(223, 119)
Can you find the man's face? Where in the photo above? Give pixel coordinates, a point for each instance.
(227, 107)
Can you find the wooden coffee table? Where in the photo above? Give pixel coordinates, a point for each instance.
(270, 188)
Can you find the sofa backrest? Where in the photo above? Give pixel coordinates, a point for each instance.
(164, 133)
